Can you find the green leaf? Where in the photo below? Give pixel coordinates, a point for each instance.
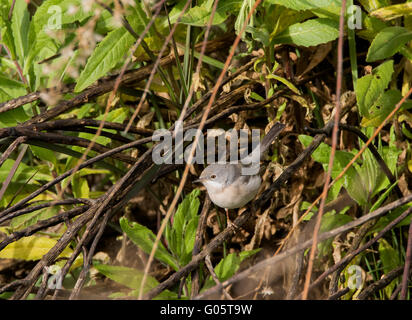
(10, 89)
(20, 28)
(383, 197)
(371, 27)
(228, 266)
(23, 172)
(144, 238)
(107, 54)
(381, 108)
(309, 33)
(31, 248)
(371, 5)
(44, 24)
(132, 279)
(80, 187)
(200, 16)
(285, 82)
(29, 219)
(370, 87)
(331, 220)
(394, 11)
(388, 42)
(300, 5)
(390, 260)
(189, 241)
(117, 115)
(182, 233)
(44, 154)
(7, 37)
(259, 34)
(342, 158)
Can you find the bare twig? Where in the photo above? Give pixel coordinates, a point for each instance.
(12, 171)
(326, 235)
(42, 224)
(11, 148)
(215, 278)
(353, 254)
(196, 140)
(380, 284)
(332, 154)
(199, 241)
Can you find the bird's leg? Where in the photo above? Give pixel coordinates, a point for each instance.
(228, 222)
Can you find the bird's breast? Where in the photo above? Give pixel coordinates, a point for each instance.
(235, 195)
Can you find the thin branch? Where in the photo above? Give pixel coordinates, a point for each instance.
(380, 284)
(45, 205)
(215, 278)
(332, 154)
(324, 236)
(196, 140)
(199, 242)
(368, 244)
(12, 171)
(11, 148)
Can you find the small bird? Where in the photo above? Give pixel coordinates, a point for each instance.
(227, 187)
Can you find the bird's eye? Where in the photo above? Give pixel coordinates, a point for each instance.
(213, 176)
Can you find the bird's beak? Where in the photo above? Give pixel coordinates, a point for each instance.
(198, 181)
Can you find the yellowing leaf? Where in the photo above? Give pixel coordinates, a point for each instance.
(393, 12)
(31, 248)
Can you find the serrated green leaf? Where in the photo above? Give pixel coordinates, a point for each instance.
(370, 87)
(107, 54)
(184, 227)
(31, 248)
(144, 238)
(309, 33)
(388, 42)
(189, 241)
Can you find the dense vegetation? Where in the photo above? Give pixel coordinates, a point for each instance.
(86, 213)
